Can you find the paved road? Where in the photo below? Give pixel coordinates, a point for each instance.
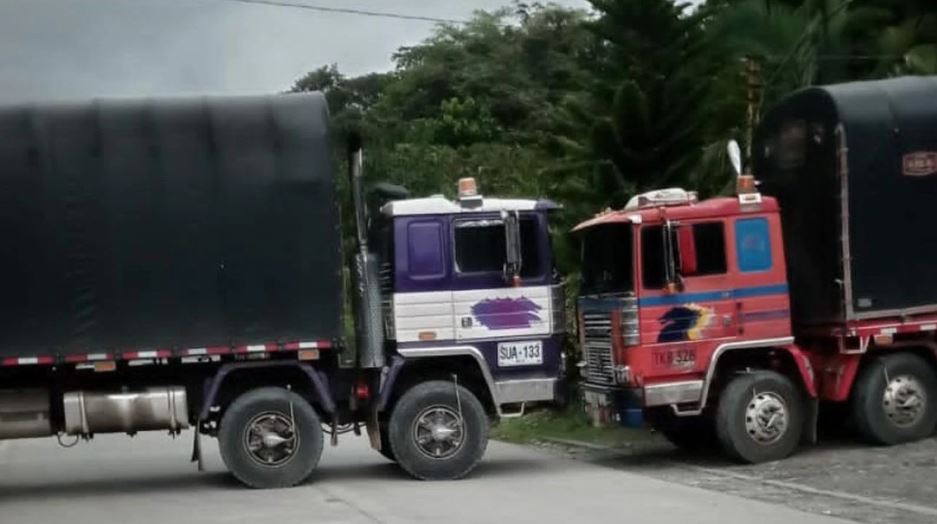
(840, 477)
(148, 480)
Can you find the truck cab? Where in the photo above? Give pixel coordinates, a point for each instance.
(670, 287)
(474, 278)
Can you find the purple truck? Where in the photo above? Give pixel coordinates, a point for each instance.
(175, 264)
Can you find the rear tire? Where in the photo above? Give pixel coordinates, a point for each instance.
(895, 399)
(427, 436)
(760, 417)
(259, 444)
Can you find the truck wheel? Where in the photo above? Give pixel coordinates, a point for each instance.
(270, 438)
(429, 436)
(760, 417)
(895, 399)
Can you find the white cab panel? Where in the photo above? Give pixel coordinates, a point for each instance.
(427, 313)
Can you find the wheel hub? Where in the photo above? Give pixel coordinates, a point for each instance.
(438, 432)
(270, 439)
(904, 401)
(766, 418)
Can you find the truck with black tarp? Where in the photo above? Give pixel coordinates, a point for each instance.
(737, 317)
(177, 263)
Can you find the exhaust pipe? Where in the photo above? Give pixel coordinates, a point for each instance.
(369, 318)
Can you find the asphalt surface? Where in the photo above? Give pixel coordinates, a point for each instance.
(148, 479)
(839, 477)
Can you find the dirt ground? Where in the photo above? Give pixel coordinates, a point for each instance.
(839, 477)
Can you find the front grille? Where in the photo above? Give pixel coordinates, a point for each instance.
(597, 349)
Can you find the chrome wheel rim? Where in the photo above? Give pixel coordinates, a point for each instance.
(766, 418)
(270, 439)
(904, 401)
(438, 432)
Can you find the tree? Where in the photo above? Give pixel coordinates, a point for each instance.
(892, 37)
(639, 123)
(349, 99)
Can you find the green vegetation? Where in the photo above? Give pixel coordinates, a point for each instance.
(588, 107)
(568, 425)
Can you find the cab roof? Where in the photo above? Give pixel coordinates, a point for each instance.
(440, 205)
(712, 208)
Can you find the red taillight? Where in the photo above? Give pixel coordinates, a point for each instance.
(362, 390)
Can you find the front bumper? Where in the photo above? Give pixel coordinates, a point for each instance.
(529, 390)
(619, 406)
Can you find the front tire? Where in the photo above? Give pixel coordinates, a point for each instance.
(270, 438)
(429, 437)
(760, 417)
(895, 398)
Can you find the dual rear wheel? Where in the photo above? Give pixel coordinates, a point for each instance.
(760, 415)
(272, 437)
(895, 399)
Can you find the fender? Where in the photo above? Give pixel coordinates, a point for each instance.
(317, 381)
(785, 344)
(397, 364)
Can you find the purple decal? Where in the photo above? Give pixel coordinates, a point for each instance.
(506, 313)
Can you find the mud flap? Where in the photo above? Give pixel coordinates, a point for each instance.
(811, 420)
(197, 447)
(373, 428)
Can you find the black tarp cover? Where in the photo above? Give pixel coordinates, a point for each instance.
(886, 231)
(132, 224)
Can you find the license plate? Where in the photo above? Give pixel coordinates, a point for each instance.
(525, 353)
(680, 358)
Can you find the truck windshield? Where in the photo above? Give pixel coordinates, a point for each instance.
(607, 260)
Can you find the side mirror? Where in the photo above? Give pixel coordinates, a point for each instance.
(512, 243)
(686, 250)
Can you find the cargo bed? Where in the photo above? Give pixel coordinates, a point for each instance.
(167, 225)
(854, 167)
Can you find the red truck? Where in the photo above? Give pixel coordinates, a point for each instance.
(742, 316)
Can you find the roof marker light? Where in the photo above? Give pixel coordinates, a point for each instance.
(673, 196)
(468, 188)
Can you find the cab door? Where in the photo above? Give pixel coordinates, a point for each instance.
(681, 324)
(486, 304)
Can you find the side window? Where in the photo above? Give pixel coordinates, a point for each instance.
(424, 250)
(479, 246)
(753, 244)
(710, 241)
(531, 259)
(652, 257)
(709, 249)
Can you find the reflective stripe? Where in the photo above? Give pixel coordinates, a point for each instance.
(710, 296)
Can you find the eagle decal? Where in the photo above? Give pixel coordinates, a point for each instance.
(684, 323)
